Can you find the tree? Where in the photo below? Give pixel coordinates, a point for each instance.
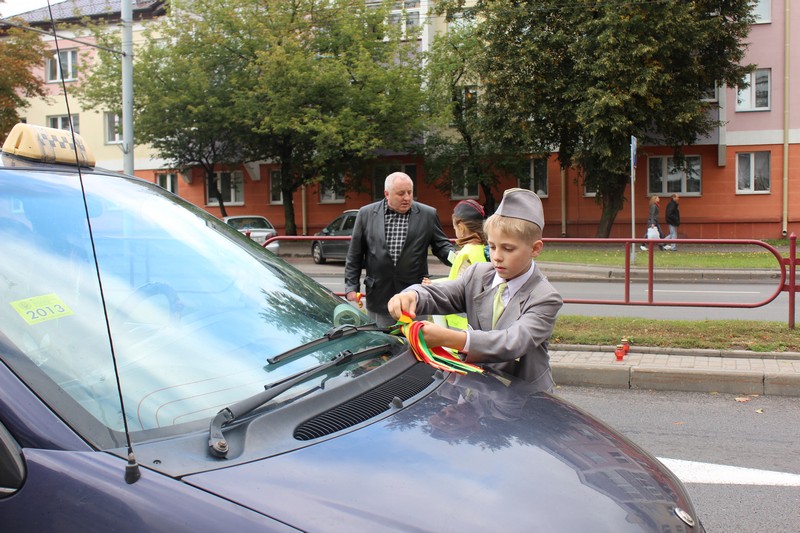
(459, 149)
(329, 84)
(316, 86)
(20, 52)
(183, 92)
(583, 77)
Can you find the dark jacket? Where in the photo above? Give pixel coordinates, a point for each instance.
(368, 250)
(673, 214)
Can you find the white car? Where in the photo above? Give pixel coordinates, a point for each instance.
(259, 228)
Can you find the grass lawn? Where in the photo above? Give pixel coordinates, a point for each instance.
(711, 334)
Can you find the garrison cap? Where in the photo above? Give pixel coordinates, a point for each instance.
(522, 203)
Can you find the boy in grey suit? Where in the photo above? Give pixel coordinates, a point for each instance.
(511, 307)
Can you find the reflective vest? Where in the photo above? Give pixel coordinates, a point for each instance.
(468, 255)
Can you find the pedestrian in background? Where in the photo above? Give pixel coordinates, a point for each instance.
(652, 221)
(390, 240)
(673, 217)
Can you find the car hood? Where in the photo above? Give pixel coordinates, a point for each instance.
(473, 455)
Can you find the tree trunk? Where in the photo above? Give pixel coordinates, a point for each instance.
(612, 202)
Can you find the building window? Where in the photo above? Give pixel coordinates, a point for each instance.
(406, 17)
(230, 186)
(710, 94)
(113, 122)
(332, 191)
(665, 176)
(535, 178)
(752, 172)
(464, 100)
(754, 97)
(168, 181)
(379, 173)
(61, 122)
(65, 63)
(589, 191)
(275, 193)
(762, 11)
(460, 188)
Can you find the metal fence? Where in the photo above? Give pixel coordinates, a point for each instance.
(785, 266)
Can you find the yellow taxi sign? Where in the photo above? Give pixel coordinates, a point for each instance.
(47, 145)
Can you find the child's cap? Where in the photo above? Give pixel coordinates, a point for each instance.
(522, 203)
(469, 210)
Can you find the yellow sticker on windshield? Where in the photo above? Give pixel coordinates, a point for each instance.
(41, 308)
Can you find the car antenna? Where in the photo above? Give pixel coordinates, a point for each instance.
(132, 472)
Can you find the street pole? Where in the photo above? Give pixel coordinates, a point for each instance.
(633, 197)
(126, 15)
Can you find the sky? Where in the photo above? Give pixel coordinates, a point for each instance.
(14, 7)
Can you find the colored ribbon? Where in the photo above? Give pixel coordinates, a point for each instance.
(437, 357)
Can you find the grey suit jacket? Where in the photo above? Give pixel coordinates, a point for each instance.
(368, 250)
(522, 332)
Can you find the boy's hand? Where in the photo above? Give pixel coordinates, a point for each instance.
(436, 335)
(405, 302)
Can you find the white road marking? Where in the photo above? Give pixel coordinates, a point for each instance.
(712, 474)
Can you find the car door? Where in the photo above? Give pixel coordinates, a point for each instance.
(345, 228)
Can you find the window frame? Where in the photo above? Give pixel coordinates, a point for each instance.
(667, 167)
(752, 171)
(64, 122)
(113, 127)
(168, 181)
(747, 98)
(275, 174)
(762, 11)
(332, 195)
(236, 190)
(543, 164)
(54, 63)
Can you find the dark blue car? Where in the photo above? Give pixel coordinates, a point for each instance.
(161, 372)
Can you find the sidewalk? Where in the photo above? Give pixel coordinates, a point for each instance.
(673, 369)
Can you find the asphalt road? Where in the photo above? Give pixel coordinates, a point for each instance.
(703, 291)
(739, 456)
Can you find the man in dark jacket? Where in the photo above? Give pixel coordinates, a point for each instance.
(391, 239)
(673, 218)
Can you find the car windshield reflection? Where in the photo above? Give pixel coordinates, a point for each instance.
(194, 309)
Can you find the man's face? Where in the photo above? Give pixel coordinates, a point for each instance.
(401, 195)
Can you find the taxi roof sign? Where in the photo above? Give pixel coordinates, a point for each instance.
(48, 145)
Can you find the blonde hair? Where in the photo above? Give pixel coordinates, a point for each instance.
(523, 230)
(654, 199)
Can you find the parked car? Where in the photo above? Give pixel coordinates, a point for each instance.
(257, 227)
(161, 372)
(342, 226)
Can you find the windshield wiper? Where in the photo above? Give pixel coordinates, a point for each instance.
(217, 444)
(332, 334)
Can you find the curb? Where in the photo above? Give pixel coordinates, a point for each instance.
(652, 368)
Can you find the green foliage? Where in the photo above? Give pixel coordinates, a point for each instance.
(753, 335)
(316, 86)
(586, 76)
(20, 52)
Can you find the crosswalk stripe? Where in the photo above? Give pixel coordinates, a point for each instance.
(709, 473)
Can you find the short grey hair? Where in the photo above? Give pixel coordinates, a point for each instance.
(391, 178)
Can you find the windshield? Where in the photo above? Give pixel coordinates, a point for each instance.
(194, 309)
(250, 223)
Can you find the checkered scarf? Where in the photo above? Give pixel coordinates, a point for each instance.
(396, 230)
